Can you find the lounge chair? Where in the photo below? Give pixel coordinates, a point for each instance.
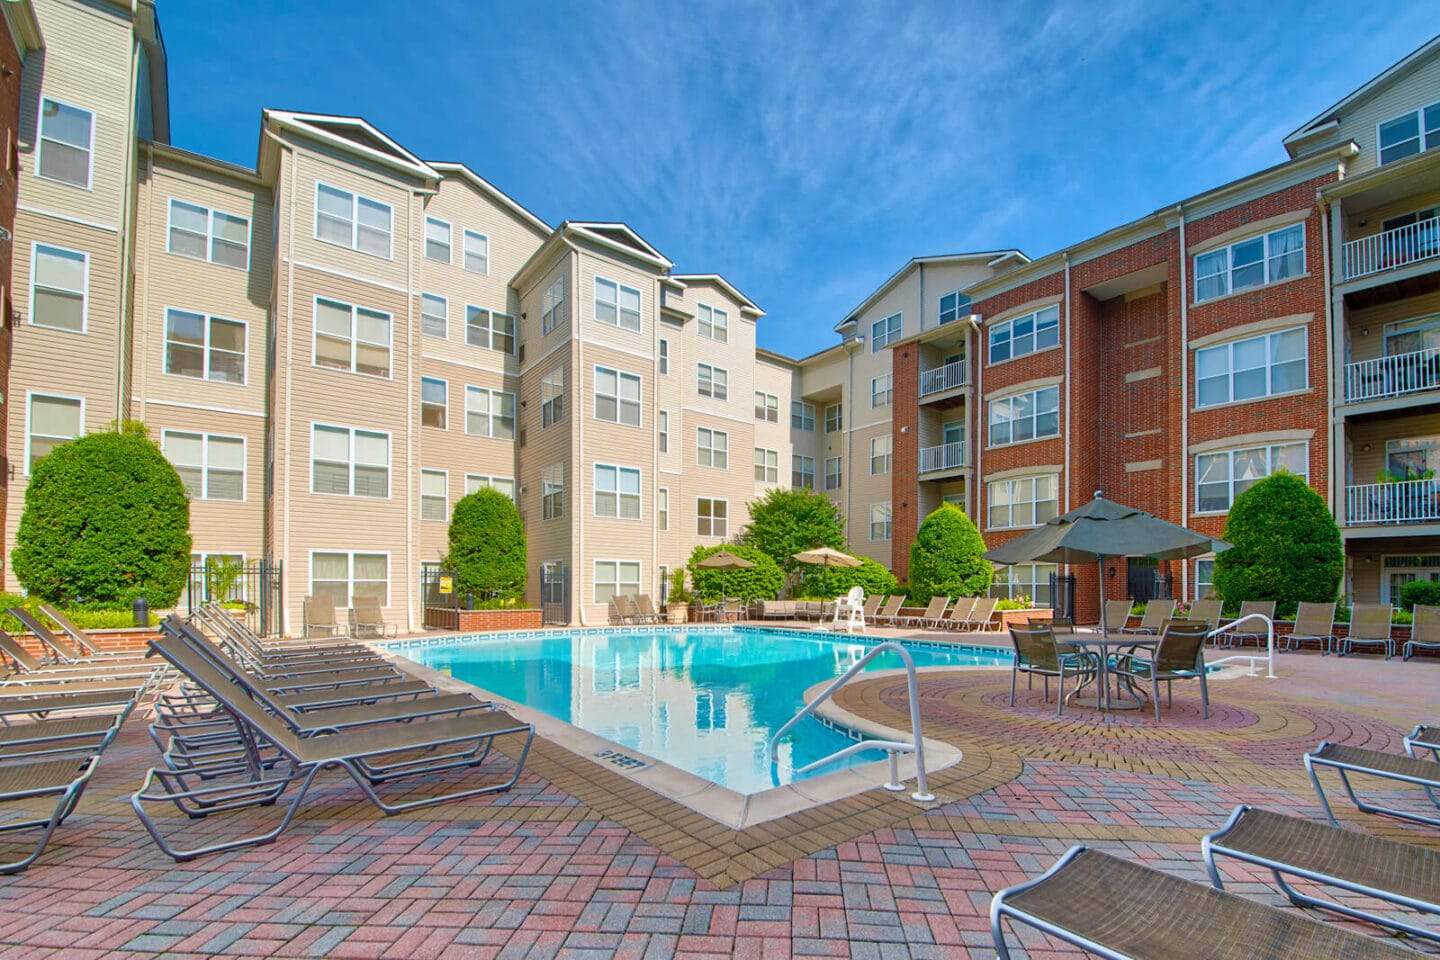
(27, 668)
(1157, 611)
(1400, 873)
(73, 648)
(223, 622)
(1117, 614)
(645, 605)
(1313, 621)
(612, 612)
(1122, 911)
(320, 619)
(1180, 655)
(1347, 761)
(1369, 626)
(249, 647)
(1423, 737)
(872, 607)
(68, 627)
(980, 614)
(1250, 632)
(890, 612)
(1037, 654)
(366, 620)
(1205, 611)
(934, 611)
(959, 613)
(1424, 631)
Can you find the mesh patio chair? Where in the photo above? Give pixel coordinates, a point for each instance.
(960, 613)
(1424, 631)
(1346, 761)
(933, 611)
(1369, 626)
(1205, 611)
(645, 604)
(24, 667)
(1251, 630)
(890, 612)
(1117, 614)
(1180, 655)
(320, 618)
(1037, 653)
(65, 650)
(980, 615)
(1156, 613)
(1313, 621)
(366, 620)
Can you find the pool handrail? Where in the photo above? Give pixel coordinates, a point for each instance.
(922, 793)
(1270, 644)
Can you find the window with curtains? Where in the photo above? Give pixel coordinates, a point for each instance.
(207, 348)
(349, 220)
(1025, 416)
(437, 240)
(476, 481)
(67, 143)
(434, 315)
(434, 498)
(350, 338)
(1254, 262)
(477, 252)
(880, 520)
(204, 234)
(52, 421)
(342, 577)
(881, 390)
(1023, 502)
(348, 462)
(880, 452)
(1251, 368)
(211, 466)
(59, 288)
(1222, 476)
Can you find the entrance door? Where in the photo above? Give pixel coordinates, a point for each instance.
(1141, 578)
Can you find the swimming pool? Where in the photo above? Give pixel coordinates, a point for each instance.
(705, 700)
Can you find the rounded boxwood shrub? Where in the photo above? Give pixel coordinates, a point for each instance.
(945, 557)
(1286, 546)
(760, 582)
(487, 547)
(106, 520)
(1426, 593)
(834, 581)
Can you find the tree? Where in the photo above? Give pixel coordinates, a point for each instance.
(945, 557)
(760, 582)
(833, 581)
(784, 522)
(106, 521)
(487, 547)
(1286, 546)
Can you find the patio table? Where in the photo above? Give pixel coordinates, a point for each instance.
(1105, 645)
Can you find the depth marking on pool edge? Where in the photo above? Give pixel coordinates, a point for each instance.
(622, 760)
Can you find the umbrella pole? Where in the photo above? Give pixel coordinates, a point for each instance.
(1100, 567)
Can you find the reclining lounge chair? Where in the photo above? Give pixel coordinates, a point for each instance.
(1348, 761)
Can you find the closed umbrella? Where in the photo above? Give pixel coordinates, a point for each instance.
(827, 557)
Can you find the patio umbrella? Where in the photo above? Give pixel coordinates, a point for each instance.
(827, 557)
(724, 560)
(1102, 529)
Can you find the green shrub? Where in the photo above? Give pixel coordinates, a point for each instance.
(487, 548)
(1424, 592)
(785, 522)
(760, 582)
(1286, 546)
(677, 592)
(1018, 603)
(106, 521)
(86, 618)
(945, 557)
(834, 581)
(1403, 618)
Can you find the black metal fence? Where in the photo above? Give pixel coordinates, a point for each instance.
(249, 589)
(441, 593)
(554, 593)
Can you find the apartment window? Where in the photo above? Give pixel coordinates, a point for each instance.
(712, 448)
(505, 485)
(1023, 502)
(434, 504)
(434, 316)
(350, 220)
(617, 396)
(552, 397)
(662, 508)
(204, 234)
(832, 473)
(664, 357)
(767, 465)
(212, 467)
(802, 415)
(834, 417)
(1020, 336)
(957, 500)
(802, 471)
(437, 240)
(711, 381)
(477, 252)
(953, 306)
(617, 304)
(767, 407)
(880, 519)
(664, 437)
(434, 402)
(1268, 258)
(53, 421)
(1025, 416)
(713, 324)
(552, 492)
(616, 578)
(1409, 134)
(345, 577)
(1223, 476)
(711, 517)
(881, 391)
(59, 288)
(880, 450)
(885, 331)
(1204, 578)
(617, 492)
(67, 143)
(1024, 580)
(1251, 368)
(489, 413)
(489, 329)
(349, 462)
(208, 348)
(552, 306)
(350, 338)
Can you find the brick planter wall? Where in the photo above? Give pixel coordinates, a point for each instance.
(1021, 618)
(119, 640)
(472, 621)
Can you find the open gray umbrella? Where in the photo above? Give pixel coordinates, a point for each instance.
(1102, 529)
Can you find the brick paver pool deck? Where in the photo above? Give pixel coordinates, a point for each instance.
(578, 862)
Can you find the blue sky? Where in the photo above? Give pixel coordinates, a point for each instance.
(803, 150)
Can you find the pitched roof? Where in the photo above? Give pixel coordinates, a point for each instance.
(991, 258)
(485, 186)
(354, 134)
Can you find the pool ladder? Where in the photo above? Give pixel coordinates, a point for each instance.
(892, 747)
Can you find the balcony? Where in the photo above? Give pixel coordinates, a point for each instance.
(947, 456)
(1397, 376)
(1390, 249)
(944, 378)
(1412, 501)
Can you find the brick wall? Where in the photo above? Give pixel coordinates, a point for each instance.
(483, 620)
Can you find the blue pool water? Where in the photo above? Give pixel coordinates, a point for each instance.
(706, 701)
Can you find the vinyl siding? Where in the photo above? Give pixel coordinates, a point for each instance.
(1419, 87)
(1367, 327)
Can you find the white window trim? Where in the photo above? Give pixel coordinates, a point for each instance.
(354, 244)
(205, 348)
(877, 343)
(465, 253)
(595, 314)
(595, 578)
(354, 339)
(449, 241)
(940, 310)
(1229, 272)
(30, 396)
(662, 509)
(446, 404)
(888, 456)
(723, 326)
(1034, 392)
(639, 396)
(423, 496)
(350, 571)
(1012, 480)
(1420, 123)
(762, 457)
(491, 417)
(350, 479)
(888, 393)
(596, 491)
(209, 233)
(563, 498)
(445, 316)
(1009, 324)
(839, 473)
(552, 317)
(1229, 345)
(487, 481)
(805, 407)
(713, 370)
(711, 447)
(205, 462)
(40, 144)
(471, 309)
(889, 522)
(712, 501)
(803, 458)
(85, 294)
(1230, 451)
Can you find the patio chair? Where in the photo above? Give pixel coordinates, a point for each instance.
(25, 667)
(249, 647)
(1399, 873)
(63, 649)
(1180, 655)
(960, 613)
(1250, 632)
(319, 613)
(366, 620)
(1369, 626)
(980, 614)
(1037, 654)
(1117, 614)
(1374, 763)
(613, 612)
(645, 604)
(1205, 611)
(872, 607)
(933, 611)
(1313, 621)
(1156, 613)
(68, 627)
(1424, 631)
(890, 612)
(1123, 911)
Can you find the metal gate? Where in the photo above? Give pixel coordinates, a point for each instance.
(554, 593)
(1062, 595)
(251, 590)
(441, 593)
(1146, 582)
